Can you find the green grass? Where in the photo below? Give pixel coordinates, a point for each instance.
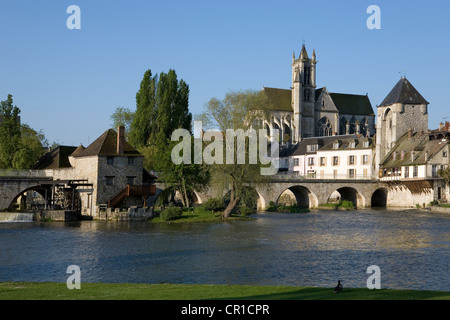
(200, 216)
(104, 291)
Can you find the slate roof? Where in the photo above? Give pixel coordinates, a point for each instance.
(106, 145)
(351, 104)
(419, 144)
(55, 158)
(301, 148)
(279, 99)
(404, 92)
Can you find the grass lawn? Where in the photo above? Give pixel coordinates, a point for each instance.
(104, 291)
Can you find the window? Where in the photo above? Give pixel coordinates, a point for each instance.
(351, 160)
(444, 154)
(131, 160)
(310, 161)
(336, 145)
(311, 148)
(296, 161)
(335, 161)
(109, 181)
(130, 180)
(286, 162)
(415, 172)
(323, 161)
(351, 173)
(406, 172)
(366, 144)
(110, 160)
(365, 159)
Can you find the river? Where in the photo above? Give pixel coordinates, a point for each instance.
(411, 248)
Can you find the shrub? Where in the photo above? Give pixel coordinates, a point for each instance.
(214, 204)
(347, 204)
(245, 211)
(170, 213)
(201, 210)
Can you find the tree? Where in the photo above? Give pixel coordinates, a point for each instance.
(183, 177)
(122, 117)
(144, 121)
(20, 145)
(32, 146)
(9, 132)
(238, 110)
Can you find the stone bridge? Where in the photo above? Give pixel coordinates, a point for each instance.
(308, 193)
(305, 193)
(13, 183)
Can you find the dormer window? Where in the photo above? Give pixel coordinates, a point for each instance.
(336, 145)
(353, 144)
(366, 144)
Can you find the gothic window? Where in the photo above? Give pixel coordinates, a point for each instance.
(324, 128)
(307, 71)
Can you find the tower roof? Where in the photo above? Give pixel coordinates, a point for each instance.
(303, 53)
(404, 92)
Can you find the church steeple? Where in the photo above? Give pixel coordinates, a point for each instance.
(303, 53)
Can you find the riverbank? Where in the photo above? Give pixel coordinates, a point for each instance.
(127, 291)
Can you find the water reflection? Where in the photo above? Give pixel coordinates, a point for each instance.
(316, 249)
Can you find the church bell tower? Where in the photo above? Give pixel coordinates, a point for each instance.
(303, 94)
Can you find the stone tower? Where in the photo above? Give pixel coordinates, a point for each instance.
(303, 94)
(403, 109)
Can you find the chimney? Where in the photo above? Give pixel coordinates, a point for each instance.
(120, 139)
(447, 126)
(395, 155)
(412, 156)
(410, 132)
(402, 155)
(426, 155)
(441, 126)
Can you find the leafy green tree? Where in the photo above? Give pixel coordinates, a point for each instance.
(184, 178)
(238, 110)
(122, 117)
(9, 132)
(144, 122)
(32, 146)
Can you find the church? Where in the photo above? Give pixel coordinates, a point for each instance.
(305, 111)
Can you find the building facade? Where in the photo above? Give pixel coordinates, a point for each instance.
(305, 111)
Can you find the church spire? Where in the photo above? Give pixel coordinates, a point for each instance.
(303, 54)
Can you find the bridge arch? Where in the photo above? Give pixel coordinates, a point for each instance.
(379, 198)
(298, 195)
(346, 193)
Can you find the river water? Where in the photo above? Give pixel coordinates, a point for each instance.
(411, 248)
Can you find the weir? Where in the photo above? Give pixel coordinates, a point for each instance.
(16, 217)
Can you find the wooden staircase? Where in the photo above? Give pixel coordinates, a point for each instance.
(129, 191)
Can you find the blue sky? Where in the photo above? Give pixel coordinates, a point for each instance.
(67, 83)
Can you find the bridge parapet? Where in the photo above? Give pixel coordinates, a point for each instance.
(9, 174)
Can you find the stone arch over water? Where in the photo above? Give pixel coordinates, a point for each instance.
(348, 194)
(379, 198)
(300, 196)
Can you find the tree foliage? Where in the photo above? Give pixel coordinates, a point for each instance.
(122, 117)
(238, 110)
(20, 145)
